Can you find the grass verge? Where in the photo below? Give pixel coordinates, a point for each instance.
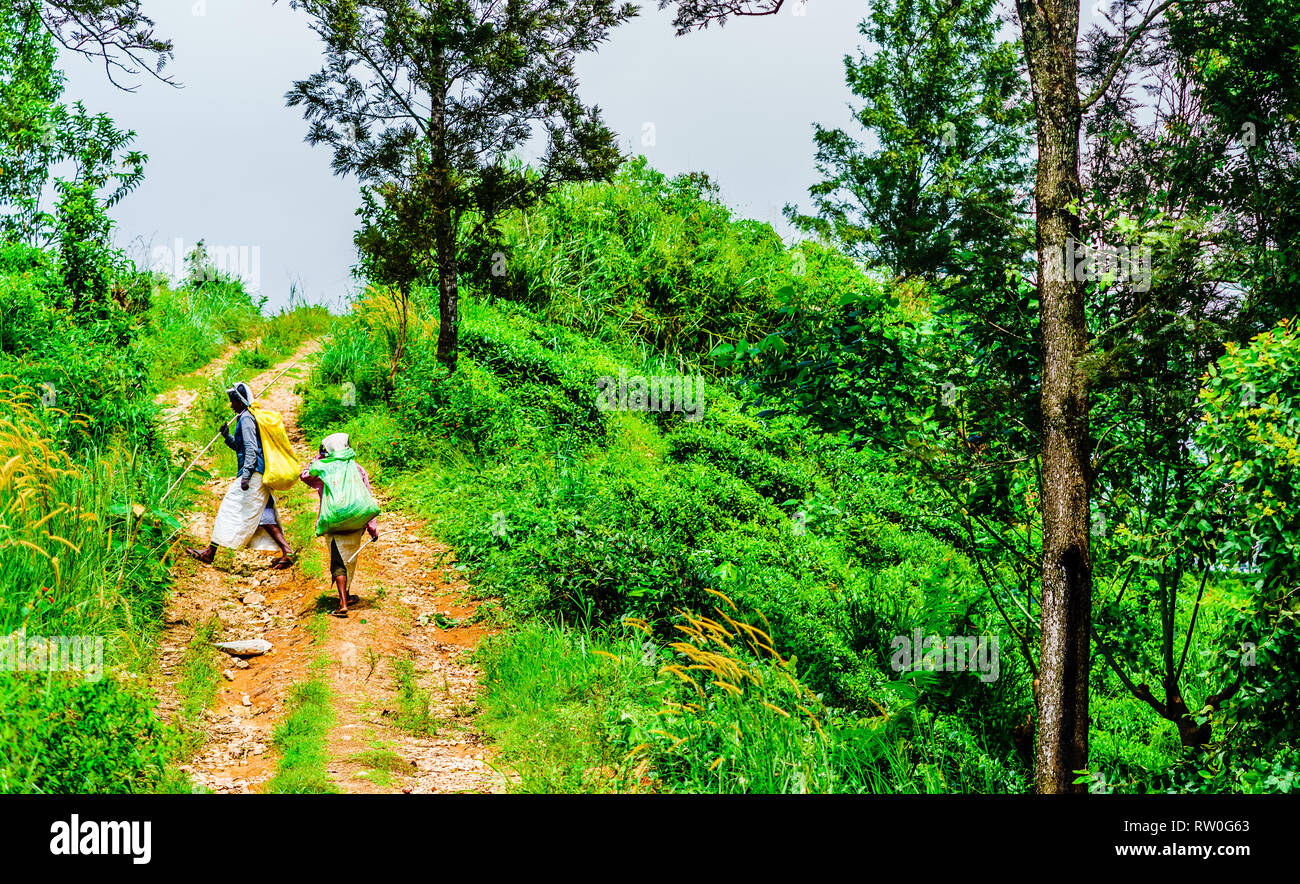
(197, 686)
(300, 738)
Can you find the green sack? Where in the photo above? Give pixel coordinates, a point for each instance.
(346, 503)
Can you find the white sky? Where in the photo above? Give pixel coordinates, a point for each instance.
(228, 163)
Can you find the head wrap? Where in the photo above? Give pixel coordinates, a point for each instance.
(240, 392)
(336, 442)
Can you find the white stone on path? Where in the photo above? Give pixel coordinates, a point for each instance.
(252, 647)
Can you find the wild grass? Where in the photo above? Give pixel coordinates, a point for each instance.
(548, 697)
(82, 553)
(413, 713)
(190, 325)
(382, 759)
(717, 712)
(83, 539)
(61, 734)
(742, 722)
(198, 679)
(300, 737)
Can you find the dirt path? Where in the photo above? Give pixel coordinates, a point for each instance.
(180, 397)
(406, 590)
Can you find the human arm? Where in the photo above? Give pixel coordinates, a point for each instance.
(373, 526)
(248, 435)
(308, 479)
(227, 438)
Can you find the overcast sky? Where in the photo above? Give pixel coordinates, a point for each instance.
(228, 163)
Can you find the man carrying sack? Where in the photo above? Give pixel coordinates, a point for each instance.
(248, 518)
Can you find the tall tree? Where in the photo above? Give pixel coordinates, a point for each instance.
(40, 136)
(431, 99)
(1050, 31)
(947, 104)
(1050, 40)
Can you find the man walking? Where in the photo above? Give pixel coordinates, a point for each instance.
(248, 517)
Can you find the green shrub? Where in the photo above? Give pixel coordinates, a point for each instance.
(643, 258)
(63, 735)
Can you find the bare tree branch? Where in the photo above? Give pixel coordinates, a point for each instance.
(1137, 33)
(115, 32)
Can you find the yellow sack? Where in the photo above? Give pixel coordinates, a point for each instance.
(281, 464)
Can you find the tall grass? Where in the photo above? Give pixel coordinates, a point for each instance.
(83, 542)
(742, 722)
(719, 712)
(190, 325)
(82, 548)
(547, 702)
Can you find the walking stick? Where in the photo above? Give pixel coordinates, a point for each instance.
(193, 462)
(359, 549)
(198, 456)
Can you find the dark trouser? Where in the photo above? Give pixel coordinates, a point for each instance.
(337, 567)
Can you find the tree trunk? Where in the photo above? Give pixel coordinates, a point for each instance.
(1050, 29)
(443, 222)
(448, 294)
(403, 304)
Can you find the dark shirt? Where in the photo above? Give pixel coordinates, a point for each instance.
(247, 438)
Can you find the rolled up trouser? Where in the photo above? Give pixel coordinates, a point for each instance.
(343, 553)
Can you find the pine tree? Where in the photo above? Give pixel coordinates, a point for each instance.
(427, 102)
(947, 103)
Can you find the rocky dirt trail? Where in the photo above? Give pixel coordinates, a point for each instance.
(180, 397)
(413, 606)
